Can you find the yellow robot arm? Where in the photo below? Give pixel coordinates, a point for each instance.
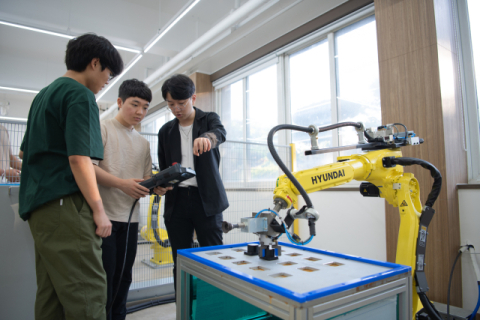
(398, 188)
(362, 167)
(152, 230)
(162, 253)
(387, 180)
(380, 169)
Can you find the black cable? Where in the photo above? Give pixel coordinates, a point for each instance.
(308, 130)
(432, 197)
(282, 166)
(124, 259)
(165, 243)
(398, 131)
(357, 125)
(450, 283)
(406, 131)
(436, 175)
(428, 306)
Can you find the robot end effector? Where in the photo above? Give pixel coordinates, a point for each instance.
(265, 225)
(306, 213)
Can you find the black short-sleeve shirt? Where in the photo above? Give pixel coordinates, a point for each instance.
(63, 121)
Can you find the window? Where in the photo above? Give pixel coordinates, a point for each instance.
(310, 101)
(249, 110)
(249, 105)
(327, 77)
(150, 127)
(232, 110)
(152, 123)
(357, 74)
(262, 106)
(335, 80)
(473, 11)
(469, 48)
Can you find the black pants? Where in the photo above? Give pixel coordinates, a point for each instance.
(113, 254)
(188, 215)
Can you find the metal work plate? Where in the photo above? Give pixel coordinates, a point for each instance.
(156, 266)
(300, 272)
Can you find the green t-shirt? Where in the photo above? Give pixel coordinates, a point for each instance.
(63, 121)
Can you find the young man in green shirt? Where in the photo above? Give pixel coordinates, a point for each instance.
(58, 191)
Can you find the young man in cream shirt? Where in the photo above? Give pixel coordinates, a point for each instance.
(126, 162)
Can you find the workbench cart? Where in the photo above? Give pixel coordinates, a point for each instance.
(222, 282)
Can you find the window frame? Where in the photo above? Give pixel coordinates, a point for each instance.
(242, 74)
(154, 116)
(469, 91)
(281, 57)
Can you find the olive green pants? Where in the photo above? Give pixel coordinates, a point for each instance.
(71, 281)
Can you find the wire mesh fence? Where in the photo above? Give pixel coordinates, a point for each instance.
(249, 174)
(153, 265)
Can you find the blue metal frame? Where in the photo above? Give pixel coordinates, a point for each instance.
(396, 269)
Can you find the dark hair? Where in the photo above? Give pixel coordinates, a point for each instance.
(81, 50)
(179, 86)
(134, 88)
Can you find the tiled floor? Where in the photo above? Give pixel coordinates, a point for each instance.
(162, 312)
(143, 274)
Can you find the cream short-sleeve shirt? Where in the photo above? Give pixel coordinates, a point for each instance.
(126, 156)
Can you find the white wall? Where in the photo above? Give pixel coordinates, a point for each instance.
(469, 232)
(18, 104)
(349, 223)
(17, 269)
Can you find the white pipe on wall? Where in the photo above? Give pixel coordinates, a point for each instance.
(199, 44)
(202, 42)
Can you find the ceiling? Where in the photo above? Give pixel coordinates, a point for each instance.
(32, 60)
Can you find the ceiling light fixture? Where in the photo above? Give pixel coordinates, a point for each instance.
(170, 26)
(61, 35)
(19, 90)
(148, 47)
(135, 60)
(13, 119)
(120, 76)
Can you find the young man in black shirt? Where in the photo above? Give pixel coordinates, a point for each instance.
(192, 139)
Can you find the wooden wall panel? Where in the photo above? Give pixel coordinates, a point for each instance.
(419, 87)
(403, 26)
(204, 91)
